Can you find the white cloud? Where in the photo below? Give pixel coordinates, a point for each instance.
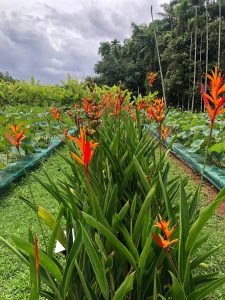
(49, 38)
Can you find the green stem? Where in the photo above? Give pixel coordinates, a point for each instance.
(206, 154)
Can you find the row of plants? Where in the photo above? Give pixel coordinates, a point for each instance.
(128, 231)
(33, 93)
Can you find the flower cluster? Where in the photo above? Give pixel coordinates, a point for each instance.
(56, 114)
(18, 137)
(86, 149)
(214, 100)
(151, 76)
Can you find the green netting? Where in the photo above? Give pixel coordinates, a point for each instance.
(212, 173)
(20, 168)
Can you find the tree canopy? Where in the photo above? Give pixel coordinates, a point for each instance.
(182, 33)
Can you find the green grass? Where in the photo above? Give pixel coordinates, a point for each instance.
(16, 217)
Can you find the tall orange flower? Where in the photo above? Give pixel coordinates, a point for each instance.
(215, 99)
(86, 148)
(18, 137)
(55, 112)
(151, 76)
(164, 241)
(157, 110)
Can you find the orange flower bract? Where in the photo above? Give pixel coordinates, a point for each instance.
(151, 76)
(214, 99)
(86, 148)
(164, 242)
(18, 137)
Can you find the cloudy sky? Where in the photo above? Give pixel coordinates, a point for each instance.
(50, 38)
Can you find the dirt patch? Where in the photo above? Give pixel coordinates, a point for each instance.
(208, 188)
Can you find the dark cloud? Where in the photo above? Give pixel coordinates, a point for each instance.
(57, 42)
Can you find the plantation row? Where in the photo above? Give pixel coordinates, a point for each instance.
(125, 227)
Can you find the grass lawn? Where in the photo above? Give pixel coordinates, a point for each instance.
(16, 217)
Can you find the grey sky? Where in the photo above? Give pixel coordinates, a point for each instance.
(50, 38)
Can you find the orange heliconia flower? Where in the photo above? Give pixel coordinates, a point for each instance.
(156, 110)
(164, 241)
(151, 76)
(55, 112)
(142, 104)
(86, 148)
(17, 138)
(214, 100)
(165, 132)
(87, 104)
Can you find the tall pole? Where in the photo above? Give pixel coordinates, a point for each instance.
(160, 66)
(207, 42)
(195, 60)
(219, 39)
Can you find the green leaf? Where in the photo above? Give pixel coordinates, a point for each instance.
(197, 143)
(184, 229)
(125, 287)
(142, 214)
(96, 263)
(195, 263)
(203, 291)
(218, 148)
(141, 174)
(177, 289)
(88, 293)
